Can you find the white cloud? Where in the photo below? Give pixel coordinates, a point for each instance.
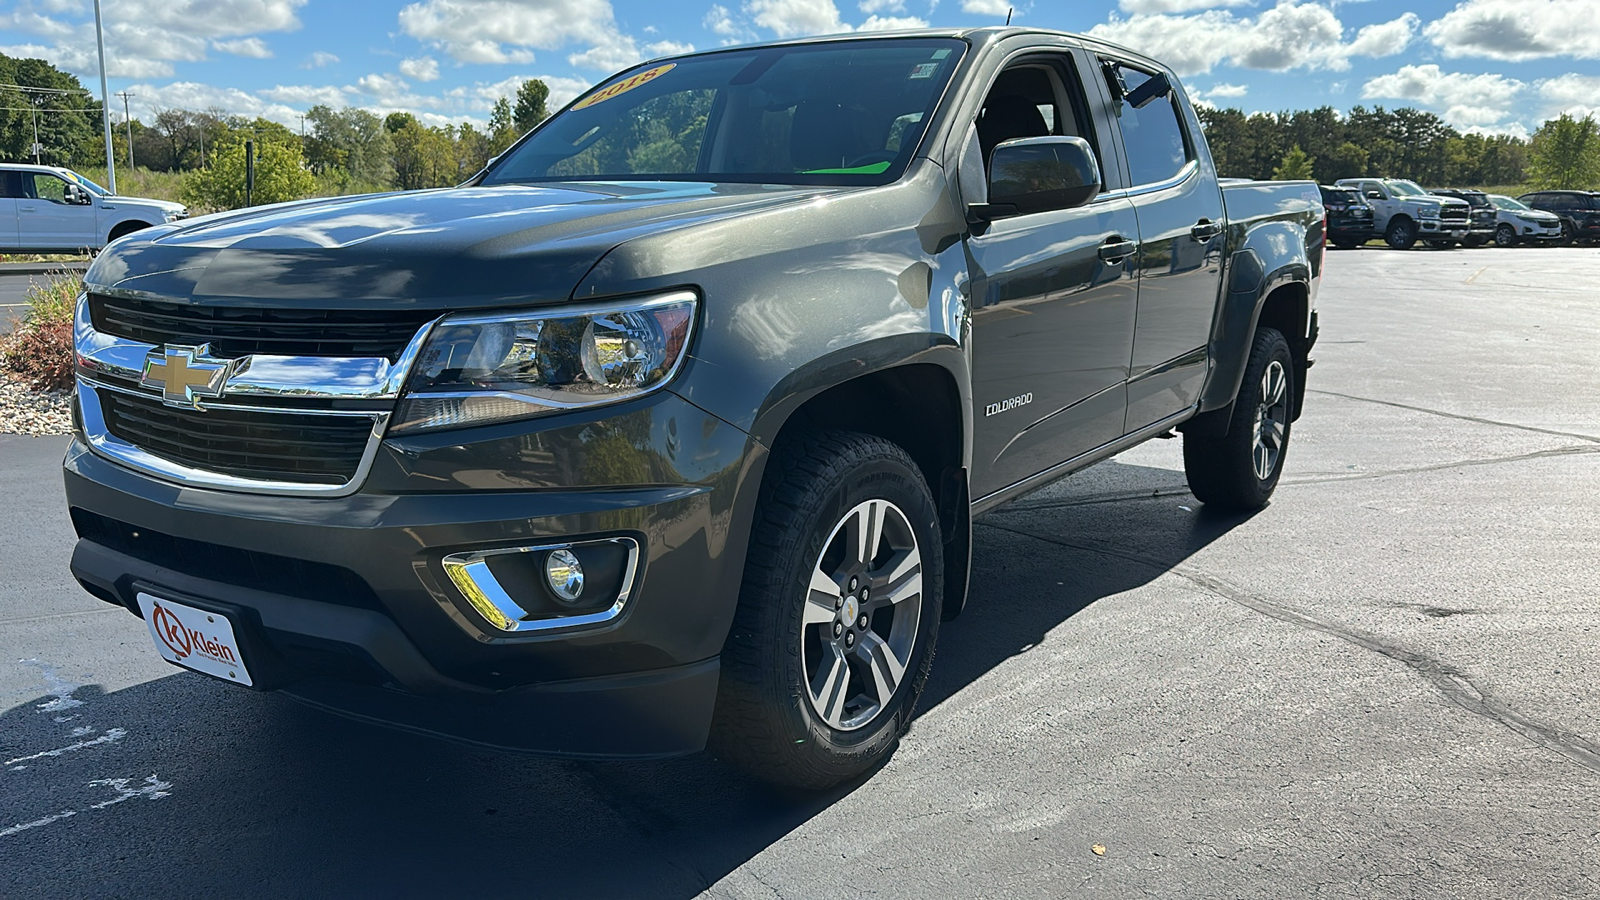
(507, 31)
(1290, 35)
(892, 23)
(882, 6)
(795, 18)
(253, 47)
(306, 95)
(1227, 90)
(720, 20)
(424, 69)
(1175, 6)
(1466, 100)
(1519, 29)
(193, 96)
(987, 7)
(1574, 94)
(319, 59)
(1386, 38)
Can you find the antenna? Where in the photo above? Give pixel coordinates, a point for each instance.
(1009, 11)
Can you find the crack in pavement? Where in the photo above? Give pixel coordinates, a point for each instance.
(1464, 418)
(1451, 683)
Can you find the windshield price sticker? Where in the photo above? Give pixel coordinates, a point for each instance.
(194, 638)
(623, 86)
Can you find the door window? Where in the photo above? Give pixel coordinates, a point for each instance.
(1030, 99)
(44, 187)
(1153, 137)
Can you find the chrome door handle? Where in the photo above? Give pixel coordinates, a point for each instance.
(1116, 249)
(1205, 230)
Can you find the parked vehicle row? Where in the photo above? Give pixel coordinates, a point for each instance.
(1362, 209)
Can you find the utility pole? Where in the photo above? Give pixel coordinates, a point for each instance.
(34, 102)
(302, 125)
(105, 99)
(128, 120)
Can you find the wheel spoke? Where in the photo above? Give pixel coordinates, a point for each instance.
(828, 689)
(866, 530)
(887, 668)
(1274, 433)
(902, 580)
(820, 599)
(1262, 459)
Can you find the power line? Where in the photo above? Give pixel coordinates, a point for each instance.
(42, 90)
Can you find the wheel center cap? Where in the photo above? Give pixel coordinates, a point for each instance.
(852, 608)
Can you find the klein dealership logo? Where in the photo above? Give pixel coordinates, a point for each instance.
(183, 641)
(995, 409)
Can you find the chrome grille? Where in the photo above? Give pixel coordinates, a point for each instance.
(234, 331)
(295, 447)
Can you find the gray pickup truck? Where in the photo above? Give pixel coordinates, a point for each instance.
(669, 427)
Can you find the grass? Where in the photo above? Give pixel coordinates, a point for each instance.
(142, 182)
(39, 350)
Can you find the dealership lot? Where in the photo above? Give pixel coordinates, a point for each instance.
(1381, 685)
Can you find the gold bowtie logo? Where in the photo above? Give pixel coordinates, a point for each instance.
(185, 375)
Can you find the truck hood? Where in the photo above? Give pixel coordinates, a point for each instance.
(165, 206)
(457, 248)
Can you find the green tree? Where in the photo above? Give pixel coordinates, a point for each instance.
(472, 150)
(281, 175)
(1565, 154)
(502, 130)
(531, 108)
(1296, 166)
(352, 145)
(67, 118)
(1346, 161)
(423, 157)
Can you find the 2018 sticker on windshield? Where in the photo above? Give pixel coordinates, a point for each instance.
(623, 86)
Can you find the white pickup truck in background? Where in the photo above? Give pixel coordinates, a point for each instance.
(1403, 212)
(44, 209)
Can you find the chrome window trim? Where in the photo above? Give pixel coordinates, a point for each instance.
(473, 568)
(1188, 171)
(104, 444)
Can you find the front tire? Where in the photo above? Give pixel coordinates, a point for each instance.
(1505, 236)
(1240, 470)
(838, 614)
(1401, 234)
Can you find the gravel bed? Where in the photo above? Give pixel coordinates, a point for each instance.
(23, 411)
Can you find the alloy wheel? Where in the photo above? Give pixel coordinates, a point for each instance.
(1272, 421)
(862, 607)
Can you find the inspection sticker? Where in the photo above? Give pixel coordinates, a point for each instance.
(194, 638)
(924, 70)
(624, 86)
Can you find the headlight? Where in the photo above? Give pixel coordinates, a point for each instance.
(1428, 212)
(477, 369)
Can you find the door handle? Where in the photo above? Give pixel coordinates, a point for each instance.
(28, 208)
(1116, 249)
(1205, 230)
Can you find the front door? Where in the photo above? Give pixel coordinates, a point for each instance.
(1053, 300)
(47, 221)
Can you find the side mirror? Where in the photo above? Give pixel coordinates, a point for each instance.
(1032, 175)
(1156, 85)
(77, 196)
(1375, 195)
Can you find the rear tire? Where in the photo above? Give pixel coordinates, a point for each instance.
(1240, 470)
(801, 701)
(1401, 234)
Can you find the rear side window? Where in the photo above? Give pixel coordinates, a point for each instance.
(10, 184)
(1153, 137)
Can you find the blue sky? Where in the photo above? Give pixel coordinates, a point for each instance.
(1486, 65)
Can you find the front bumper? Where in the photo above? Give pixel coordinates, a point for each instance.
(1435, 229)
(344, 602)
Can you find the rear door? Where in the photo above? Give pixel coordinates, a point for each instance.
(1181, 238)
(1053, 296)
(46, 221)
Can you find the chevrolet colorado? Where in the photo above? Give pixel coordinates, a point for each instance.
(669, 426)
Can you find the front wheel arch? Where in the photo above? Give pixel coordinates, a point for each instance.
(123, 229)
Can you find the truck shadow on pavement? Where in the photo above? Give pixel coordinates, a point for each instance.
(185, 786)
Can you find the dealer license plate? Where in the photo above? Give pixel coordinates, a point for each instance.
(195, 639)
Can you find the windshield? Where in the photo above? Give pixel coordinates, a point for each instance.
(850, 112)
(1508, 203)
(86, 183)
(1405, 189)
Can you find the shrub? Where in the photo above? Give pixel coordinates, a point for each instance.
(40, 350)
(280, 175)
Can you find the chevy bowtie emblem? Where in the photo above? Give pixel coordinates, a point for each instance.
(185, 375)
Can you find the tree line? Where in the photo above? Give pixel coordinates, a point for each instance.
(1324, 145)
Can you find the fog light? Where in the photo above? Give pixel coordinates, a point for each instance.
(565, 575)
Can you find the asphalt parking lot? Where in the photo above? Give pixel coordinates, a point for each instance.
(1382, 685)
